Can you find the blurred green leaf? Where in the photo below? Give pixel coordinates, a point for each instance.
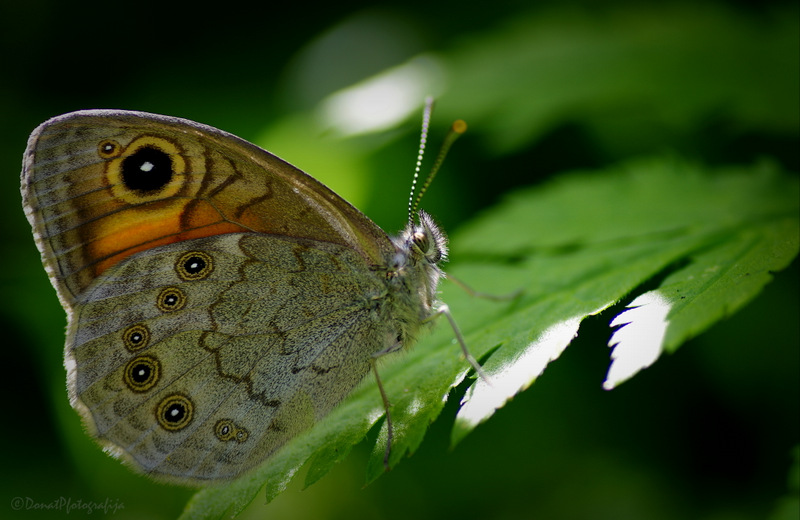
(635, 75)
(788, 507)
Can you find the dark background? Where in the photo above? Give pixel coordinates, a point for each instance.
(704, 433)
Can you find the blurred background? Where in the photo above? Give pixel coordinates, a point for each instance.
(337, 89)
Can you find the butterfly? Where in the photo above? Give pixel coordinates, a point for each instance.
(220, 301)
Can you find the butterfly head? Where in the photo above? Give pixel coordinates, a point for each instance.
(423, 241)
(415, 274)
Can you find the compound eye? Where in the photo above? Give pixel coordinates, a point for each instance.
(422, 241)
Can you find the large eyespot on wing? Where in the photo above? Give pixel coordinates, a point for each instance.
(101, 185)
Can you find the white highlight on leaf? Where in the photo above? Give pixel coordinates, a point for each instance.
(640, 340)
(482, 399)
(384, 100)
(375, 414)
(414, 406)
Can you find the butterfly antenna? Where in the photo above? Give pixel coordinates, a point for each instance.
(458, 128)
(423, 140)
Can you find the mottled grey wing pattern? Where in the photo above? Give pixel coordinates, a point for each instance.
(276, 333)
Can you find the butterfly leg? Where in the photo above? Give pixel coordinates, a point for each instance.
(386, 405)
(444, 310)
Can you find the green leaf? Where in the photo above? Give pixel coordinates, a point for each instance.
(645, 73)
(593, 239)
(707, 240)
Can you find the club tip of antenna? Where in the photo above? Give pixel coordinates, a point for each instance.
(459, 126)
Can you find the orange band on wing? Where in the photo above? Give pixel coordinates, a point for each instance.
(129, 232)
